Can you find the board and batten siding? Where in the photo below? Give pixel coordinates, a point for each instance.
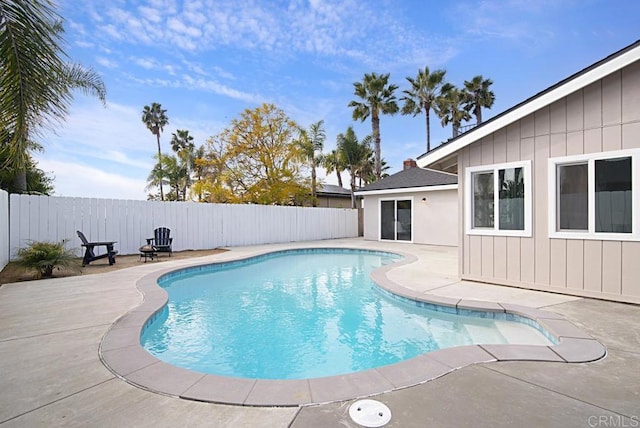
(604, 116)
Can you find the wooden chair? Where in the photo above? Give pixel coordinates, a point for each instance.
(161, 241)
(90, 256)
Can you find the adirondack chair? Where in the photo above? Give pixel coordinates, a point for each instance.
(161, 241)
(90, 256)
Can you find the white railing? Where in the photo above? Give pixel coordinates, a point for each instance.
(4, 229)
(193, 225)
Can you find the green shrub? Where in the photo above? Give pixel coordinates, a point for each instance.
(43, 257)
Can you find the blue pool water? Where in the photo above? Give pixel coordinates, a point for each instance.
(304, 314)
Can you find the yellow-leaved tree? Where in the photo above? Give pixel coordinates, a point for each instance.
(255, 160)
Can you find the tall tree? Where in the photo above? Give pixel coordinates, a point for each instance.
(311, 142)
(334, 161)
(356, 153)
(155, 118)
(199, 167)
(256, 160)
(36, 79)
(182, 144)
(422, 96)
(366, 174)
(450, 108)
(376, 95)
(173, 175)
(477, 96)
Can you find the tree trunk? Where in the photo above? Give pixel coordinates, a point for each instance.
(478, 114)
(160, 166)
(20, 181)
(314, 198)
(353, 188)
(375, 126)
(426, 112)
(339, 178)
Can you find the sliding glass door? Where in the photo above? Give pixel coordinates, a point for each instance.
(395, 220)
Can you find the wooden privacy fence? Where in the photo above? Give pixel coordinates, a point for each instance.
(193, 225)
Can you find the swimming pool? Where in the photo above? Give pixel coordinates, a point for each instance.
(304, 314)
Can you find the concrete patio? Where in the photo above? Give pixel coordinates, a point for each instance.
(52, 374)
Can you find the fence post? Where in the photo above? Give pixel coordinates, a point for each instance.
(5, 246)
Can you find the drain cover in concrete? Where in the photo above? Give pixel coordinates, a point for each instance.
(370, 413)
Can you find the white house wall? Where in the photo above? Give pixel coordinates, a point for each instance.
(435, 222)
(604, 116)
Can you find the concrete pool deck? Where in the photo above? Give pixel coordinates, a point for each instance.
(52, 374)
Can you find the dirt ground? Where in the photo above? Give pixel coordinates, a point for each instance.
(14, 273)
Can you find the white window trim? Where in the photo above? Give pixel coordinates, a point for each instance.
(395, 232)
(590, 160)
(528, 195)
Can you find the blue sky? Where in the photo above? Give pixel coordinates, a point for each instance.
(206, 61)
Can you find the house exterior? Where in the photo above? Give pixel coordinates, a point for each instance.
(414, 205)
(550, 189)
(332, 196)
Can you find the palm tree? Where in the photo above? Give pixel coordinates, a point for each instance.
(36, 81)
(356, 153)
(182, 144)
(172, 172)
(450, 109)
(366, 174)
(477, 95)
(38, 181)
(199, 167)
(334, 161)
(423, 95)
(155, 117)
(377, 97)
(310, 142)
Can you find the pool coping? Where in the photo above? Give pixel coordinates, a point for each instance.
(121, 352)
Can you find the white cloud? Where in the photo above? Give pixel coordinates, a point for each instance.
(95, 129)
(223, 73)
(106, 62)
(84, 44)
(369, 33)
(82, 180)
(146, 63)
(112, 31)
(151, 14)
(217, 88)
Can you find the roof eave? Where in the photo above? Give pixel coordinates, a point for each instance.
(407, 190)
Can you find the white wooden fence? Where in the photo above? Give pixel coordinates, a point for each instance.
(4, 229)
(193, 225)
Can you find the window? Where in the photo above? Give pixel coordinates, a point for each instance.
(572, 197)
(483, 199)
(594, 196)
(499, 199)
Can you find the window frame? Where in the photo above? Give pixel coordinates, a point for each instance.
(528, 195)
(590, 159)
